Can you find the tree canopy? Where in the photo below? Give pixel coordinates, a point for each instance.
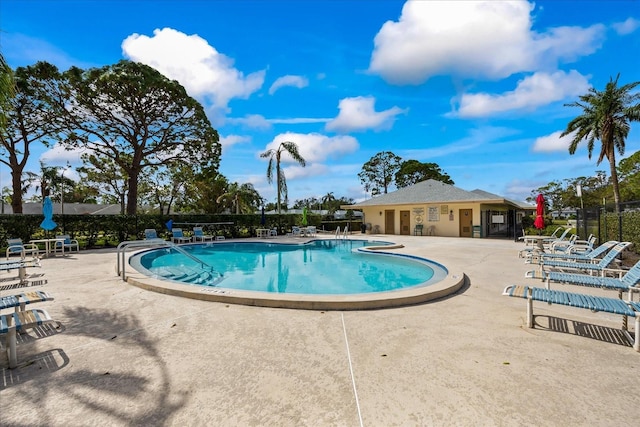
(130, 115)
(378, 173)
(413, 171)
(275, 159)
(606, 116)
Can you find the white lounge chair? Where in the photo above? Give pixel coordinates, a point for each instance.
(589, 302)
(199, 236)
(179, 237)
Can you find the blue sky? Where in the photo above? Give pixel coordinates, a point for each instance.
(477, 87)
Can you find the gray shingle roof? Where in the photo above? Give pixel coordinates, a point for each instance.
(432, 191)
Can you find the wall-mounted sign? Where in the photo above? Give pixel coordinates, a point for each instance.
(434, 215)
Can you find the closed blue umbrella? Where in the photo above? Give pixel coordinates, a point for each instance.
(47, 211)
(263, 219)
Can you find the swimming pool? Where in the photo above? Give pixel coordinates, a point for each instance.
(290, 274)
(329, 266)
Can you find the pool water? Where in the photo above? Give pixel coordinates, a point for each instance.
(317, 267)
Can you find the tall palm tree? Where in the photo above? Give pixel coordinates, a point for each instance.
(327, 200)
(605, 116)
(275, 158)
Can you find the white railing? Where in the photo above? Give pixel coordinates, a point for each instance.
(123, 246)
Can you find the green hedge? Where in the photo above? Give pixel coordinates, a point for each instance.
(609, 227)
(100, 231)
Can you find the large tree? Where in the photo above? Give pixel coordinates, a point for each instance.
(133, 116)
(413, 171)
(106, 177)
(275, 163)
(28, 120)
(378, 173)
(240, 199)
(629, 174)
(606, 116)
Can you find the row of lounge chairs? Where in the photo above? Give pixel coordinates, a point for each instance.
(21, 317)
(592, 268)
(178, 236)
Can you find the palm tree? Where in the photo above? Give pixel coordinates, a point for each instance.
(275, 156)
(605, 117)
(327, 200)
(241, 198)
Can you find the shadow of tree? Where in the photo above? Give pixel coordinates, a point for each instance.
(104, 392)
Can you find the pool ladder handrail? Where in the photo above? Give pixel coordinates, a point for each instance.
(344, 234)
(122, 249)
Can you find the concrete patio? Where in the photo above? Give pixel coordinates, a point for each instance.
(126, 356)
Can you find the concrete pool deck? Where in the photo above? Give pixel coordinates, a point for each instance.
(127, 356)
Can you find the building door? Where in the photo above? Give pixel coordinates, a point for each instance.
(389, 222)
(466, 222)
(405, 223)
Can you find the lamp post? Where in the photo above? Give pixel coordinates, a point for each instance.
(62, 193)
(584, 216)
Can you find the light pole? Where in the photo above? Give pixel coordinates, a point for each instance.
(62, 188)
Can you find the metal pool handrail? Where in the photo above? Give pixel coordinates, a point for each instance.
(122, 249)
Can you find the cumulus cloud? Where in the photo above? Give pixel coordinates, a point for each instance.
(253, 121)
(314, 147)
(531, 92)
(358, 114)
(626, 27)
(59, 156)
(488, 39)
(199, 67)
(552, 143)
(295, 81)
(230, 140)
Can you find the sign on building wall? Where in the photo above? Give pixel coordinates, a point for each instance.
(434, 214)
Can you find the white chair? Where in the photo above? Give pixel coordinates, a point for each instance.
(68, 244)
(199, 236)
(150, 233)
(15, 246)
(179, 237)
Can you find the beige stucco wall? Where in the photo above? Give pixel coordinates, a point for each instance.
(445, 225)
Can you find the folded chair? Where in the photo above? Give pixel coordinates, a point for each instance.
(588, 302)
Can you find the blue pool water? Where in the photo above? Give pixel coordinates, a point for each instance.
(317, 267)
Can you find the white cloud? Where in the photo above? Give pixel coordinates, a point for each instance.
(358, 114)
(230, 140)
(552, 143)
(295, 81)
(314, 147)
(490, 39)
(59, 156)
(626, 27)
(531, 92)
(199, 67)
(253, 121)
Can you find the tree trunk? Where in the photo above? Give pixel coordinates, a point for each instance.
(132, 194)
(16, 199)
(614, 181)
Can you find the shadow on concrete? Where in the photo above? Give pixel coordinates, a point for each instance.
(586, 330)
